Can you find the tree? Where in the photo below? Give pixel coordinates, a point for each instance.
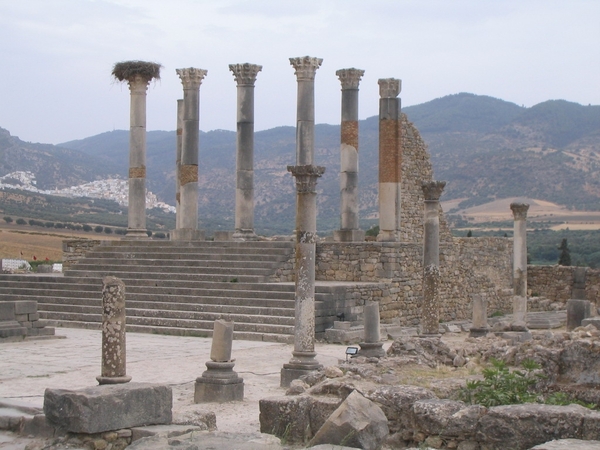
(470, 234)
(8, 219)
(21, 221)
(108, 230)
(98, 228)
(87, 228)
(565, 255)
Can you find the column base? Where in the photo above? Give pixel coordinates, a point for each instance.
(387, 236)
(244, 235)
(187, 234)
(478, 332)
(136, 233)
(291, 372)
(348, 235)
(113, 380)
(219, 384)
(371, 349)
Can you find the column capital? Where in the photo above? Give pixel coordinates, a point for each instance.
(138, 84)
(519, 210)
(306, 177)
(350, 78)
(245, 74)
(191, 77)
(306, 67)
(389, 87)
(433, 189)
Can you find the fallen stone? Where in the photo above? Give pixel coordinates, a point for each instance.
(568, 444)
(206, 420)
(206, 440)
(447, 418)
(169, 431)
(333, 372)
(358, 422)
(109, 407)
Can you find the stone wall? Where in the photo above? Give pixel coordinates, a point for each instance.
(556, 283)
(75, 249)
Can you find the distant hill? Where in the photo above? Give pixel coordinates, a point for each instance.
(485, 148)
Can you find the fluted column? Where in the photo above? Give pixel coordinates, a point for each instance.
(191, 78)
(520, 266)
(430, 313)
(178, 144)
(306, 68)
(390, 160)
(303, 357)
(349, 228)
(245, 76)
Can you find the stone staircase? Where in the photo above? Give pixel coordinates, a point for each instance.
(179, 288)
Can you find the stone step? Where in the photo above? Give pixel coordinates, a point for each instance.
(197, 244)
(168, 269)
(125, 275)
(210, 260)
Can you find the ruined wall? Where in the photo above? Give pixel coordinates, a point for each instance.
(556, 283)
(75, 249)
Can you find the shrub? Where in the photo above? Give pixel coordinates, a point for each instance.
(160, 235)
(49, 224)
(373, 231)
(21, 222)
(98, 228)
(59, 225)
(108, 230)
(8, 219)
(87, 228)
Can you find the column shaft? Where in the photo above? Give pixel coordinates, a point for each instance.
(520, 266)
(390, 160)
(178, 145)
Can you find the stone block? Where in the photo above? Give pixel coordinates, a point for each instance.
(187, 234)
(162, 430)
(7, 311)
(577, 310)
(208, 390)
(223, 236)
(591, 321)
(33, 317)
(109, 407)
(12, 330)
(40, 427)
(568, 444)
(21, 317)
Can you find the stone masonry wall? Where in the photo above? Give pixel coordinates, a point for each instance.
(556, 282)
(75, 249)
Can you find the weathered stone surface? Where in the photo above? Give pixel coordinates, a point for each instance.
(295, 418)
(577, 310)
(358, 422)
(523, 426)
(568, 444)
(206, 420)
(205, 440)
(397, 403)
(447, 418)
(109, 407)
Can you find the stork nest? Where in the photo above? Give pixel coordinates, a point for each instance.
(128, 70)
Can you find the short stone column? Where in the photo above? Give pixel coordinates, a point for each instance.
(430, 312)
(520, 266)
(138, 75)
(480, 325)
(372, 345)
(113, 332)
(306, 68)
(349, 228)
(390, 160)
(245, 76)
(219, 383)
(178, 144)
(578, 307)
(303, 357)
(191, 78)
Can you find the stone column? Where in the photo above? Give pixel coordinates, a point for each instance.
(390, 160)
(137, 74)
(480, 325)
(578, 307)
(430, 313)
(520, 266)
(372, 345)
(191, 78)
(220, 383)
(113, 332)
(245, 76)
(178, 144)
(303, 357)
(306, 68)
(349, 229)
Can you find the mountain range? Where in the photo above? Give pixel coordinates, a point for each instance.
(485, 148)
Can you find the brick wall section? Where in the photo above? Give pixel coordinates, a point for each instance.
(75, 249)
(556, 283)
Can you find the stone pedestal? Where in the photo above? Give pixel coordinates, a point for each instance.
(113, 333)
(577, 311)
(245, 77)
(220, 383)
(390, 160)
(191, 78)
(520, 266)
(303, 357)
(349, 227)
(372, 345)
(480, 325)
(578, 291)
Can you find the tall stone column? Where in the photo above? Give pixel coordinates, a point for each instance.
(306, 68)
(113, 332)
(349, 229)
(430, 313)
(245, 76)
(520, 266)
(191, 78)
(390, 160)
(138, 75)
(303, 357)
(178, 144)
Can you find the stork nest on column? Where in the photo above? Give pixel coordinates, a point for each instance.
(128, 70)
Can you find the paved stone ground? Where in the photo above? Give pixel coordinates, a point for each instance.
(28, 367)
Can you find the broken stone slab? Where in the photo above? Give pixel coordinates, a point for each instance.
(109, 407)
(295, 419)
(595, 321)
(205, 440)
(568, 444)
(168, 431)
(357, 422)
(447, 418)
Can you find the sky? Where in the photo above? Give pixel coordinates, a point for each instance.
(56, 56)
